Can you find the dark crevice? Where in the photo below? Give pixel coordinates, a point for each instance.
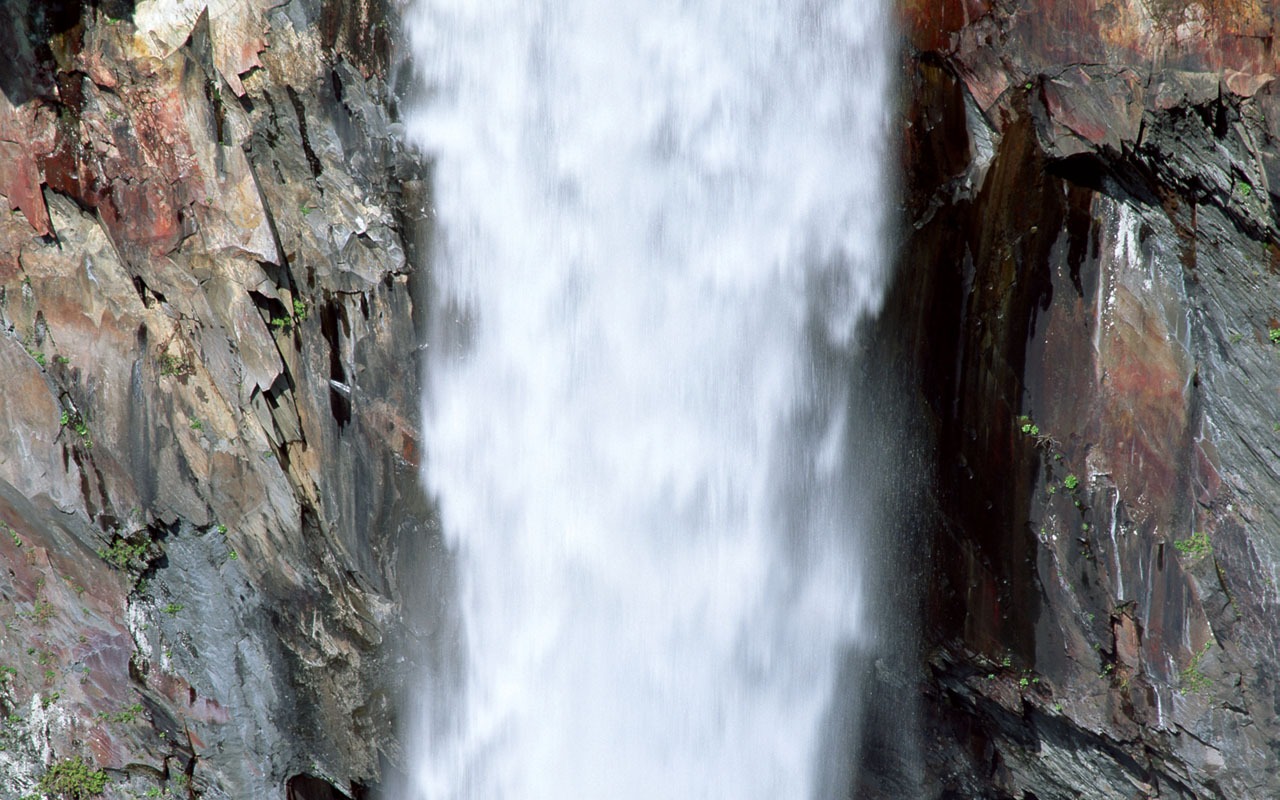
(55, 185)
(271, 131)
(336, 80)
(308, 787)
(140, 286)
(148, 295)
(1121, 177)
(331, 315)
(270, 308)
(86, 491)
(301, 112)
(213, 95)
(28, 30)
(279, 274)
(279, 390)
(1082, 169)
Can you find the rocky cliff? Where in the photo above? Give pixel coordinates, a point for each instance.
(1091, 262)
(207, 423)
(208, 497)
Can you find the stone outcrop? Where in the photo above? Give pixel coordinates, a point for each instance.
(208, 424)
(1088, 299)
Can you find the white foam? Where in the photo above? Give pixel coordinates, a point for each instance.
(640, 206)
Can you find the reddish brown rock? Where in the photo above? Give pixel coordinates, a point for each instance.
(208, 538)
(1090, 191)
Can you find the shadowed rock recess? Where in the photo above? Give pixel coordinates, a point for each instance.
(208, 418)
(1090, 295)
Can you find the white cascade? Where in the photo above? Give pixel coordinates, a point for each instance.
(648, 212)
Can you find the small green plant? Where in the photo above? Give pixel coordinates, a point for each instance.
(120, 553)
(1235, 337)
(306, 209)
(197, 425)
(43, 611)
(177, 366)
(1192, 678)
(75, 422)
(1071, 482)
(172, 608)
(61, 360)
(127, 715)
(1028, 427)
(1274, 335)
(73, 779)
(220, 528)
(1197, 546)
(299, 309)
(233, 555)
(281, 324)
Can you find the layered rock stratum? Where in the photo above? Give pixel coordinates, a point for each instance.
(207, 423)
(1089, 293)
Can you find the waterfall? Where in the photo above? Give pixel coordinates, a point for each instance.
(654, 217)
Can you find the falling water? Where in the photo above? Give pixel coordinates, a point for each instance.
(653, 216)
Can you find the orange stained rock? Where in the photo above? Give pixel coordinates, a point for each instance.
(1191, 35)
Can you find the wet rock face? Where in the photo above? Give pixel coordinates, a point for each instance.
(1091, 260)
(208, 429)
